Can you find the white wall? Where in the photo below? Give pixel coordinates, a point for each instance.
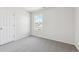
(22, 23)
(58, 24)
(77, 28)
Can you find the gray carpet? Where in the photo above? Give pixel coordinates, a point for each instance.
(35, 44)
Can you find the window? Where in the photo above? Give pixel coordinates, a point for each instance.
(38, 19)
(38, 22)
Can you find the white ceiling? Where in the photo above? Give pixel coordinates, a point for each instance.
(30, 9)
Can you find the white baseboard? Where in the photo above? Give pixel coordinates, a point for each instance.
(22, 36)
(52, 39)
(77, 46)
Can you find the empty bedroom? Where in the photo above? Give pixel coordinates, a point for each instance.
(39, 29)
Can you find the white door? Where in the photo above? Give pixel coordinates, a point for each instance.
(11, 18)
(6, 26)
(4, 35)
